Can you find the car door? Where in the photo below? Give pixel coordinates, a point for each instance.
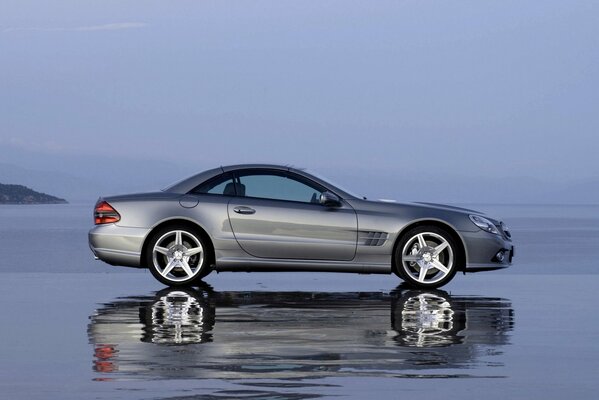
(277, 214)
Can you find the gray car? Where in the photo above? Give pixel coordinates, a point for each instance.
(279, 218)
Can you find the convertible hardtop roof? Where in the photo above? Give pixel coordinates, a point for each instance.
(187, 184)
(235, 167)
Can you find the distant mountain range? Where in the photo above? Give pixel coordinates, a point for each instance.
(83, 179)
(18, 194)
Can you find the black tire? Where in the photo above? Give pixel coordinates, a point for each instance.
(439, 268)
(198, 264)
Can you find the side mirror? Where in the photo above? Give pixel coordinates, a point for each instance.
(329, 199)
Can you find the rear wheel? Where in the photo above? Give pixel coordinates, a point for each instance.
(426, 257)
(178, 256)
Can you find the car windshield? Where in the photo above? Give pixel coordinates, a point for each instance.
(332, 182)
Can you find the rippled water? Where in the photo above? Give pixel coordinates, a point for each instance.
(295, 336)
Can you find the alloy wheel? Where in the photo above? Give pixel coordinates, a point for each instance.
(427, 258)
(178, 256)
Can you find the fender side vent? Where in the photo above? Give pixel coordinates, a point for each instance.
(370, 238)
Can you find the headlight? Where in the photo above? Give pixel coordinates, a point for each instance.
(484, 224)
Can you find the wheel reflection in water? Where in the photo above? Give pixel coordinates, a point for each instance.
(427, 320)
(177, 317)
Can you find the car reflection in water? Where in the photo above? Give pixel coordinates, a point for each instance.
(201, 333)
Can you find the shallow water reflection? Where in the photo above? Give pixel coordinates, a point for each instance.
(202, 333)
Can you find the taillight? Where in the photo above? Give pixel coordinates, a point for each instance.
(105, 214)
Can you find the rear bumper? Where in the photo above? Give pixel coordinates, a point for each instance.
(117, 245)
(482, 249)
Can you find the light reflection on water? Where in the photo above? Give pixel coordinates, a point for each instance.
(202, 333)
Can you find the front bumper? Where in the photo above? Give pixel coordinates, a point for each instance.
(482, 250)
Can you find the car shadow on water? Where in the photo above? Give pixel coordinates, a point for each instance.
(203, 333)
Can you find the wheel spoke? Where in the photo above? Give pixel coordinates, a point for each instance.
(169, 267)
(421, 241)
(410, 257)
(193, 251)
(178, 238)
(422, 275)
(161, 250)
(440, 248)
(440, 267)
(186, 268)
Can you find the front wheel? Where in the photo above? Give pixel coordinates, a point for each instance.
(177, 256)
(426, 257)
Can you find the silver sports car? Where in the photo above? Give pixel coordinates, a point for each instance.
(278, 218)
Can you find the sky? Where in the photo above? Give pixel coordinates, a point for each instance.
(415, 89)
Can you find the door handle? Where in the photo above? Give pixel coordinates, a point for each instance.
(244, 210)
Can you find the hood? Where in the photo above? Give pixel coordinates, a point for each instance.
(430, 205)
(446, 207)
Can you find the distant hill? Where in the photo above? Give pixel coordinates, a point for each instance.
(18, 194)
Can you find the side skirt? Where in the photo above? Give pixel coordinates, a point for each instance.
(276, 265)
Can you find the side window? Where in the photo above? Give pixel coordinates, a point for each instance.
(221, 185)
(278, 187)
